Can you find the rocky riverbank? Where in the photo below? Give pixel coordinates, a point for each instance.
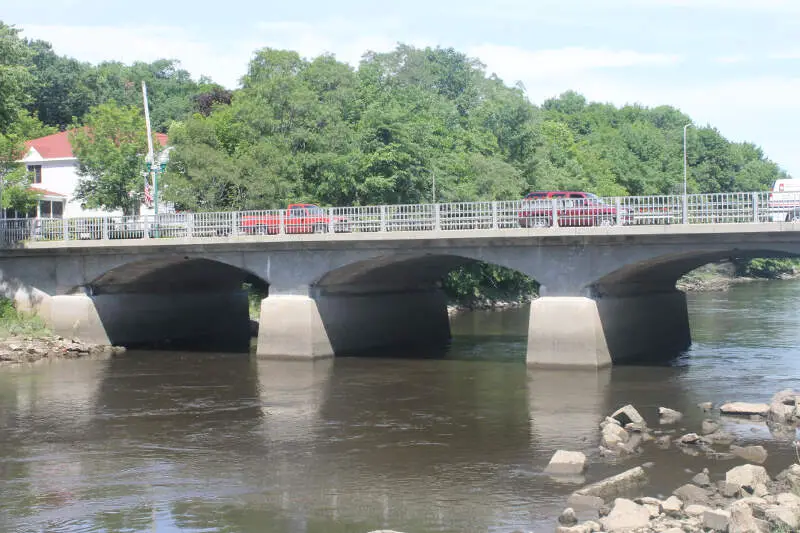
(746, 500)
(18, 349)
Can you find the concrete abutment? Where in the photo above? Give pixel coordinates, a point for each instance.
(575, 331)
(324, 324)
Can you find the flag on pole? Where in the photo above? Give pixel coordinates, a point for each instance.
(148, 193)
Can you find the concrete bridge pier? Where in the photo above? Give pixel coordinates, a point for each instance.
(323, 323)
(578, 331)
(211, 320)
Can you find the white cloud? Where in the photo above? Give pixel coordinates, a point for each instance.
(512, 63)
(147, 43)
(733, 59)
(341, 37)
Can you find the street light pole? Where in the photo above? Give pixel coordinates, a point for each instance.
(433, 177)
(684, 158)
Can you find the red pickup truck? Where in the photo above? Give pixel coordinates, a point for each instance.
(574, 209)
(298, 218)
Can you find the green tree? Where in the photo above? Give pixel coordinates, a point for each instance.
(110, 148)
(15, 75)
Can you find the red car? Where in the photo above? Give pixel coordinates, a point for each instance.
(573, 209)
(299, 218)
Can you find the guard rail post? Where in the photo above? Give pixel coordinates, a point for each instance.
(494, 215)
(555, 212)
(383, 218)
(437, 223)
(685, 213)
(755, 207)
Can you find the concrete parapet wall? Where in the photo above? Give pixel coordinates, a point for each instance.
(329, 324)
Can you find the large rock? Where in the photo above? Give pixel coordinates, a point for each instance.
(784, 517)
(586, 527)
(744, 409)
(708, 426)
(742, 519)
(614, 436)
(752, 454)
(584, 501)
(747, 476)
(628, 415)
(612, 486)
(672, 506)
(568, 517)
(692, 494)
(626, 516)
(669, 416)
(566, 463)
(783, 406)
(716, 519)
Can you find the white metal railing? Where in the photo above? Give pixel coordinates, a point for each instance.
(718, 208)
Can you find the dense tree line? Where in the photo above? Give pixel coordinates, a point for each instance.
(320, 130)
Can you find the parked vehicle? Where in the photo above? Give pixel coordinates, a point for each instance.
(298, 218)
(784, 201)
(572, 209)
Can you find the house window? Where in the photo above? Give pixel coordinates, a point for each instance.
(37, 172)
(51, 209)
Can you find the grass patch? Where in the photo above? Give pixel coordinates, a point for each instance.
(17, 323)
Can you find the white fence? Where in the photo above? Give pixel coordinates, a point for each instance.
(723, 208)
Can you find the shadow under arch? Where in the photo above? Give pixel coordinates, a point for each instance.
(171, 302)
(393, 301)
(660, 274)
(644, 317)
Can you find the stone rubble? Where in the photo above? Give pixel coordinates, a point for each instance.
(16, 350)
(747, 500)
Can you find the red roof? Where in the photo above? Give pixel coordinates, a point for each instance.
(45, 192)
(57, 145)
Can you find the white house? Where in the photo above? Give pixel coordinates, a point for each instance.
(55, 170)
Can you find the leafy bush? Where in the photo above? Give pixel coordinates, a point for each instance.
(767, 268)
(15, 322)
(478, 283)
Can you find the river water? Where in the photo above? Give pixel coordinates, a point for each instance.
(180, 442)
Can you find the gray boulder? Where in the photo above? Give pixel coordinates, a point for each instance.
(628, 415)
(708, 426)
(692, 494)
(747, 476)
(626, 516)
(568, 517)
(752, 454)
(669, 416)
(609, 487)
(566, 463)
(744, 409)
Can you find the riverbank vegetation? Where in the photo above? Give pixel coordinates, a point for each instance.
(321, 130)
(18, 323)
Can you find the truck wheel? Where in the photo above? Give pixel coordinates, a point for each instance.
(319, 228)
(793, 216)
(606, 221)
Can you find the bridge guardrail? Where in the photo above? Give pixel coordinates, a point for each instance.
(716, 208)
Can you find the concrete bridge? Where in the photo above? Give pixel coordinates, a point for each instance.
(608, 293)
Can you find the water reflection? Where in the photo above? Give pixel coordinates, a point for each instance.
(177, 442)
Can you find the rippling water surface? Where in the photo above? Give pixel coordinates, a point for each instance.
(177, 442)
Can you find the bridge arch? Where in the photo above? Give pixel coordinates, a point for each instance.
(177, 301)
(661, 273)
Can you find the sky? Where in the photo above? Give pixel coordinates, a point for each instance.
(733, 64)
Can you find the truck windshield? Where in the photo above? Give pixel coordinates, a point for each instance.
(594, 198)
(314, 210)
